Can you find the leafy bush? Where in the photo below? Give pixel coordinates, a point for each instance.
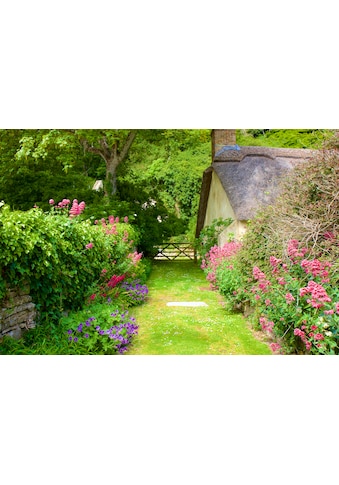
(297, 303)
(217, 256)
(99, 330)
(60, 257)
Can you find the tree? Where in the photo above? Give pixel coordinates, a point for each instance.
(111, 145)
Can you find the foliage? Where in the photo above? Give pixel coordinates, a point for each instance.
(99, 330)
(297, 303)
(49, 338)
(208, 237)
(215, 256)
(61, 257)
(161, 179)
(283, 138)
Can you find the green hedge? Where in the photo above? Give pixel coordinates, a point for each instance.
(60, 257)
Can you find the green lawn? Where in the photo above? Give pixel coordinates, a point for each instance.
(209, 330)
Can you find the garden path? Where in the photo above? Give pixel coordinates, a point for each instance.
(199, 325)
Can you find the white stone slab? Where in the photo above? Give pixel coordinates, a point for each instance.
(186, 303)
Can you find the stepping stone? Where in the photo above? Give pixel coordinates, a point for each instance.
(186, 303)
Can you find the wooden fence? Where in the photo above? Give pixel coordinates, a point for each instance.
(172, 251)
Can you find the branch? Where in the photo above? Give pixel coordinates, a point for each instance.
(127, 146)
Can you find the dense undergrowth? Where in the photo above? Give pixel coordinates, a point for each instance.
(72, 266)
(286, 268)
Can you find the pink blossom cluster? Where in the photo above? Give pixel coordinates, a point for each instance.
(289, 298)
(277, 264)
(111, 228)
(306, 338)
(263, 282)
(135, 257)
(267, 326)
(300, 333)
(317, 292)
(61, 204)
(216, 255)
(76, 208)
(294, 251)
(275, 347)
(316, 268)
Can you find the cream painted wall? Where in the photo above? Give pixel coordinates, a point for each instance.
(237, 228)
(218, 205)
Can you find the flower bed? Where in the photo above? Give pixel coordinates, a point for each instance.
(295, 302)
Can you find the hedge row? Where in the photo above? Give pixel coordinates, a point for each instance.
(60, 256)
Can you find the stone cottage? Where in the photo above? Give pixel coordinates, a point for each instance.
(240, 180)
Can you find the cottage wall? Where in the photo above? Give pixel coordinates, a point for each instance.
(218, 204)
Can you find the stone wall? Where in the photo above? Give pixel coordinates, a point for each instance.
(17, 313)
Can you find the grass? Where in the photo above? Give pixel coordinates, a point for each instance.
(207, 330)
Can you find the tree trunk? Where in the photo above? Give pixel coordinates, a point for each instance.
(112, 157)
(111, 173)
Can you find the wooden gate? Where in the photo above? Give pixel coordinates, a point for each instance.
(170, 251)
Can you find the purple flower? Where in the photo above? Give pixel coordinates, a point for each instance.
(70, 339)
(69, 332)
(80, 328)
(86, 335)
(97, 328)
(75, 339)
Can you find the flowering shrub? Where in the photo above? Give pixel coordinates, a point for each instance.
(297, 304)
(295, 301)
(209, 236)
(108, 332)
(60, 257)
(216, 256)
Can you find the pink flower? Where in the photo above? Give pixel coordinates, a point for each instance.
(318, 294)
(267, 302)
(126, 219)
(51, 201)
(89, 245)
(289, 298)
(274, 261)
(319, 336)
(329, 312)
(275, 347)
(76, 208)
(92, 297)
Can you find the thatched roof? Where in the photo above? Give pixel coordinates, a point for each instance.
(250, 177)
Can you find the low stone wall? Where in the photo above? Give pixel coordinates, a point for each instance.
(17, 313)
